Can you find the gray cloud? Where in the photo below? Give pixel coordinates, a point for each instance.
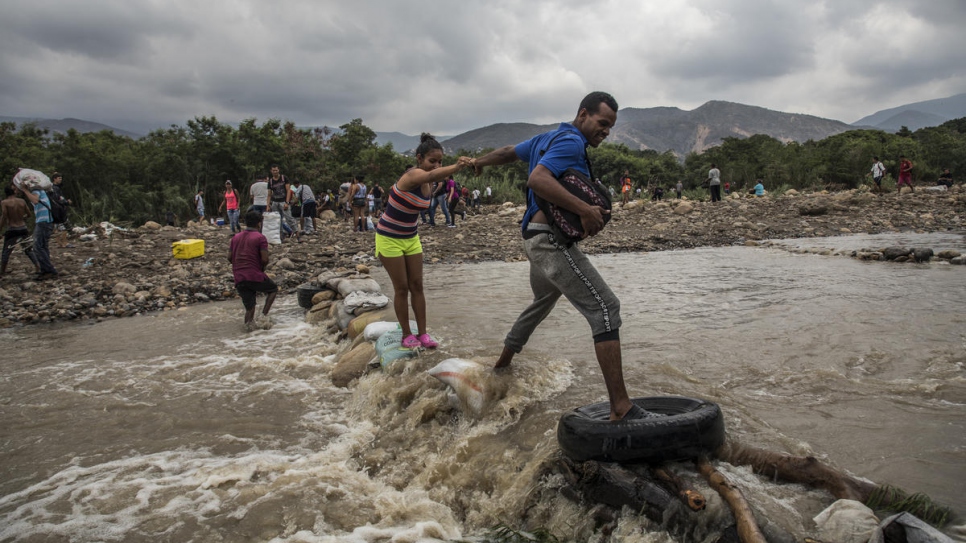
(447, 67)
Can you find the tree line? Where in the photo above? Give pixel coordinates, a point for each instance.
(130, 181)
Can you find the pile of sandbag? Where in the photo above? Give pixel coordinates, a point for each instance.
(343, 297)
(353, 305)
(375, 344)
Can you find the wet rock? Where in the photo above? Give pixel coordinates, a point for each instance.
(124, 288)
(813, 210)
(948, 254)
(922, 255)
(893, 253)
(285, 264)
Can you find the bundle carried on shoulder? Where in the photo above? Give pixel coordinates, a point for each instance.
(27, 179)
(581, 186)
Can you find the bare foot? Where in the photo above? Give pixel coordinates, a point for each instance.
(505, 358)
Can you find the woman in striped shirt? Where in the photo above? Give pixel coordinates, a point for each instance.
(397, 243)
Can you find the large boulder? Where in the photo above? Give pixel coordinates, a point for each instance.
(683, 208)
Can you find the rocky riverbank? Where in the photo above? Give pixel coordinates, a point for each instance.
(128, 272)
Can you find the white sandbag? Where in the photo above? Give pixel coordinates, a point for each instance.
(27, 179)
(349, 285)
(466, 378)
(374, 330)
(271, 227)
(342, 317)
(846, 521)
(366, 301)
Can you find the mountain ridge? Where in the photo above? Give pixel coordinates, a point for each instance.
(659, 128)
(917, 114)
(672, 129)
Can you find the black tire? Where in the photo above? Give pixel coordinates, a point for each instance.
(690, 427)
(305, 293)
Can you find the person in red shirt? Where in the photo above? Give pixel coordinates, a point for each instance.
(248, 254)
(230, 202)
(626, 186)
(905, 175)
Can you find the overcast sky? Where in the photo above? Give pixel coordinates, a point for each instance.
(451, 66)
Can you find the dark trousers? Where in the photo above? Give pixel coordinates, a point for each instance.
(715, 193)
(11, 239)
(42, 232)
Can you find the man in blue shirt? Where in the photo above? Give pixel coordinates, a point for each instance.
(557, 268)
(43, 228)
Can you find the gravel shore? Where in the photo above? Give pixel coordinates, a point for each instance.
(130, 272)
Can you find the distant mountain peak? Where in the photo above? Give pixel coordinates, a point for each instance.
(917, 115)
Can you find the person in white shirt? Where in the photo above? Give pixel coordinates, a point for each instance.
(714, 183)
(877, 173)
(259, 193)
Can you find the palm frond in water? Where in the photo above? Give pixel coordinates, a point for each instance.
(505, 534)
(894, 499)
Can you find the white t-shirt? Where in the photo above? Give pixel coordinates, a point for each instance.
(878, 169)
(488, 191)
(259, 192)
(715, 176)
(476, 193)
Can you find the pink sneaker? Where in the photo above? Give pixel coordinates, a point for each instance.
(411, 342)
(427, 342)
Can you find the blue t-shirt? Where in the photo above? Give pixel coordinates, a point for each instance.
(759, 190)
(42, 208)
(557, 150)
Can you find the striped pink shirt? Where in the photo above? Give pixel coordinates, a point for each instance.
(402, 213)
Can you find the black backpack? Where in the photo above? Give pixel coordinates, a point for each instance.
(58, 211)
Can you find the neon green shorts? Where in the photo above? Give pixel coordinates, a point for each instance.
(390, 247)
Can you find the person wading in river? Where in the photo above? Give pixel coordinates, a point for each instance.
(248, 254)
(555, 267)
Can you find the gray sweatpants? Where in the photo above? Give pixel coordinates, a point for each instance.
(554, 270)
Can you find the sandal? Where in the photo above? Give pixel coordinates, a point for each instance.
(427, 342)
(411, 342)
(637, 412)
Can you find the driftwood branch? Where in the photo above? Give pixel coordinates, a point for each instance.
(748, 530)
(807, 470)
(685, 492)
